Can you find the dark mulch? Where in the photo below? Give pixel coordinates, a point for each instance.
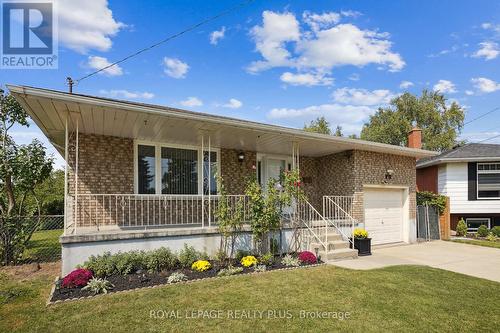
(145, 279)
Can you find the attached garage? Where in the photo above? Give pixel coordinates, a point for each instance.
(385, 214)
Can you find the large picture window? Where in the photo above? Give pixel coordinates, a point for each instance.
(488, 180)
(179, 171)
(175, 170)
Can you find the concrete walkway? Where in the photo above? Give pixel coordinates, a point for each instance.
(467, 259)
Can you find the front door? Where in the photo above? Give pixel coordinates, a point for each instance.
(274, 169)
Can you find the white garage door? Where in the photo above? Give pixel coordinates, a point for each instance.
(384, 215)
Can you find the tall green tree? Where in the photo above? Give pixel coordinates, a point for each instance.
(338, 131)
(441, 122)
(22, 169)
(320, 125)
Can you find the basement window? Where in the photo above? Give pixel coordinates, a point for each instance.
(473, 223)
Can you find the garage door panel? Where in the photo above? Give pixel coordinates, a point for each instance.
(384, 215)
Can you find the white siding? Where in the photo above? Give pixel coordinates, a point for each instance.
(452, 182)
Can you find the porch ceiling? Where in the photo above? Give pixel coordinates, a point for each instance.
(102, 116)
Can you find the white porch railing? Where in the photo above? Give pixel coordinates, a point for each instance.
(339, 210)
(93, 212)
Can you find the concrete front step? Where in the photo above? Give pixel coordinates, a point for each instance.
(340, 254)
(331, 245)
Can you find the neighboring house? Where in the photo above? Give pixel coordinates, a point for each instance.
(470, 176)
(142, 176)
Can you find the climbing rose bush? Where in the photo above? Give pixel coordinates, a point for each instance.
(77, 278)
(201, 266)
(307, 257)
(248, 261)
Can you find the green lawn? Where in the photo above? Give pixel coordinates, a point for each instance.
(44, 246)
(399, 298)
(479, 242)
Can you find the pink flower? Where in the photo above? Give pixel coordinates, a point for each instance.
(77, 278)
(307, 257)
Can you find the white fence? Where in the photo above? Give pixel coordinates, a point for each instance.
(95, 211)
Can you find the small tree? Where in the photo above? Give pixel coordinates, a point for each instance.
(461, 228)
(266, 208)
(229, 219)
(320, 125)
(22, 169)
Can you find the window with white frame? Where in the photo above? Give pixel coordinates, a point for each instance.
(488, 180)
(473, 223)
(164, 169)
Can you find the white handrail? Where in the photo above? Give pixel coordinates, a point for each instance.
(346, 215)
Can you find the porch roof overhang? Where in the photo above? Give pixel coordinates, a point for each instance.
(49, 109)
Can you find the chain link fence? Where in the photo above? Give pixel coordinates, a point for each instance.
(43, 245)
(428, 223)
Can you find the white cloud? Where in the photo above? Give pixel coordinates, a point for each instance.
(270, 39)
(469, 92)
(362, 96)
(233, 104)
(175, 68)
(320, 21)
(281, 43)
(405, 84)
(86, 25)
(445, 87)
(350, 117)
(485, 85)
(491, 26)
(191, 102)
(114, 93)
(354, 77)
(487, 50)
(306, 79)
(97, 63)
(217, 35)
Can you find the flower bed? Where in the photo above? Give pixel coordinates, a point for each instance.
(143, 278)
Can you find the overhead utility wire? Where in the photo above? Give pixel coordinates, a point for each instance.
(190, 28)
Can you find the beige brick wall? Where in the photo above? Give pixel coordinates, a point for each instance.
(105, 165)
(236, 173)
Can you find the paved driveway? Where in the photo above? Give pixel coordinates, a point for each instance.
(467, 259)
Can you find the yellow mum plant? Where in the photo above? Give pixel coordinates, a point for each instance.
(360, 233)
(248, 261)
(200, 265)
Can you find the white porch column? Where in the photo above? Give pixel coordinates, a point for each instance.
(76, 177)
(202, 174)
(66, 167)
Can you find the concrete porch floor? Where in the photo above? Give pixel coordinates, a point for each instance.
(473, 260)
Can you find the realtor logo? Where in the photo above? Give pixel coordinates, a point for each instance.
(28, 35)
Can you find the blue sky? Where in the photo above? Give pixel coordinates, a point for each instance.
(282, 62)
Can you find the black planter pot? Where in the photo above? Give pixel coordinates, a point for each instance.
(364, 246)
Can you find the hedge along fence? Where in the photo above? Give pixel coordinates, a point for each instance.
(43, 245)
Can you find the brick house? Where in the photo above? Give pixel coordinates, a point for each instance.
(141, 176)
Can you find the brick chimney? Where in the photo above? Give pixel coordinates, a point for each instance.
(415, 138)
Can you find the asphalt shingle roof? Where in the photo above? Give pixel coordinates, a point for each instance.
(468, 151)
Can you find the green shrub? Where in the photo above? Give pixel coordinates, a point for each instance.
(160, 259)
(491, 237)
(496, 231)
(290, 261)
(432, 199)
(267, 259)
(241, 253)
(129, 262)
(461, 228)
(482, 231)
(101, 265)
(188, 255)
